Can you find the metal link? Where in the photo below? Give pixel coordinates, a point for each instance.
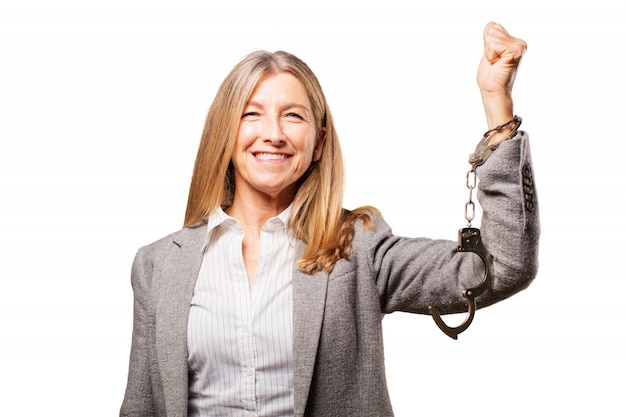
(474, 179)
(469, 217)
(469, 214)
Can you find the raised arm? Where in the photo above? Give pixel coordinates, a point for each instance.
(496, 75)
(413, 274)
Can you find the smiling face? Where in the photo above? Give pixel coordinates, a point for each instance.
(276, 140)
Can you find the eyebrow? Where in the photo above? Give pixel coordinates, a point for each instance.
(285, 106)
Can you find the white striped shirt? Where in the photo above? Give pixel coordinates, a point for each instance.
(240, 337)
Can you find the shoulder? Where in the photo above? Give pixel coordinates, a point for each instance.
(369, 227)
(169, 254)
(189, 236)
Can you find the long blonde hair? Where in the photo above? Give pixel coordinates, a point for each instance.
(317, 216)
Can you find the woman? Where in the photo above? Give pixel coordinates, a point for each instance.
(269, 301)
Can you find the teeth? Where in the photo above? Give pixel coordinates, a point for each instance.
(270, 156)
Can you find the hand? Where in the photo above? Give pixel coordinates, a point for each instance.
(496, 73)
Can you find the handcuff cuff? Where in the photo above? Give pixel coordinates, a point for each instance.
(469, 238)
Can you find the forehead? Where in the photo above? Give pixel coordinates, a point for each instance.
(282, 86)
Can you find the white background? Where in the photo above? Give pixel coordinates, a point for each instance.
(101, 110)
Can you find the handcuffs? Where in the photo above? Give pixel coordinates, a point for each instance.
(469, 239)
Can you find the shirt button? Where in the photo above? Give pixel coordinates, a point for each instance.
(251, 414)
(245, 329)
(250, 371)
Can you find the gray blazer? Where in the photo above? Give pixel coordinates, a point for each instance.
(338, 341)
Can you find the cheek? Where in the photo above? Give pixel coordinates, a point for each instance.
(243, 132)
(306, 140)
(245, 135)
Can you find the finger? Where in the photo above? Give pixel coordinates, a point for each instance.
(500, 44)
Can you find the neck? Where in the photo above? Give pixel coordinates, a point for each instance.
(255, 213)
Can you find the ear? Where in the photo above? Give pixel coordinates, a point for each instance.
(319, 146)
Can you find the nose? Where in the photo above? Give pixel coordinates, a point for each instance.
(272, 131)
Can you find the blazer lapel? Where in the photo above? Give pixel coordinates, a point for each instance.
(309, 299)
(180, 272)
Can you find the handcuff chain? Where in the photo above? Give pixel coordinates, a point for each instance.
(470, 207)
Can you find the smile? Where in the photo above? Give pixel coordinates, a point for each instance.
(270, 156)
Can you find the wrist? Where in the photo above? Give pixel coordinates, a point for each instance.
(498, 108)
(492, 138)
(506, 130)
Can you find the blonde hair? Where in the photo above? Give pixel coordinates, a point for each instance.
(317, 216)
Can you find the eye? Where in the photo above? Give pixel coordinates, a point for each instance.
(294, 115)
(250, 115)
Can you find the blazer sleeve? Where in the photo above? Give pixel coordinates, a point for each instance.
(138, 399)
(415, 273)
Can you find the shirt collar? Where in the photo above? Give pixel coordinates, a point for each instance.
(220, 217)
